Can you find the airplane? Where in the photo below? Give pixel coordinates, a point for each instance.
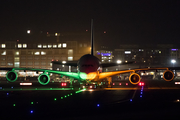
(88, 70)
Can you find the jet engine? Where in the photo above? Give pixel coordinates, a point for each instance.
(43, 79)
(168, 75)
(11, 76)
(134, 78)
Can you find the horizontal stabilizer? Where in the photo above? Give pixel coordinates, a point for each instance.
(114, 64)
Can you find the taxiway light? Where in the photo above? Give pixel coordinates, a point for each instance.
(131, 100)
(25, 83)
(140, 95)
(31, 111)
(61, 97)
(14, 105)
(177, 82)
(71, 93)
(98, 105)
(55, 99)
(7, 93)
(12, 87)
(141, 92)
(31, 103)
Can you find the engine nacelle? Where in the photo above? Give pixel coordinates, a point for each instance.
(11, 76)
(168, 75)
(43, 79)
(134, 78)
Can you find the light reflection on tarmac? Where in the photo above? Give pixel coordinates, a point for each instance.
(121, 102)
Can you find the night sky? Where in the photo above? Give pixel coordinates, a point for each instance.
(125, 21)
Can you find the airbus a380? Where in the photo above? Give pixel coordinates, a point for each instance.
(88, 70)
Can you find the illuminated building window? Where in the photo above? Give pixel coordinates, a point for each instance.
(127, 52)
(39, 46)
(3, 46)
(17, 53)
(3, 58)
(36, 58)
(16, 59)
(24, 45)
(43, 58)
(43, 53)
(30, 63)
(19, 45)
(59, 45)
(64, 45)
(44, 46)
(43, 63)
(54, 46)
(3, 63)
(30, 57)
(16, 63)
(3, 53)
(10, 64)
(49, 46)
(23, 63)
(36, 53)
(36, 63)
(70, 58)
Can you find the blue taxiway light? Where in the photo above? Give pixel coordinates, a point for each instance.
(98, 105)
(31, 111)
(7, 93)
(0, 87)
(12, 87)
(140, 95)
(141, 92)
(130, 99)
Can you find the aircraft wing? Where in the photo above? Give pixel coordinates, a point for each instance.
(113, 73)
(68, 63)
(44, 77)
(114, 64)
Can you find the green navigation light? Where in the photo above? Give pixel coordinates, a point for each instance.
(83, 75)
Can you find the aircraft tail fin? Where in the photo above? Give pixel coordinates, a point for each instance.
(92, 38)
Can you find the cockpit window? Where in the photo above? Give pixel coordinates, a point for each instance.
(87, 65)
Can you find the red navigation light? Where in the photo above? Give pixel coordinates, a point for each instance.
(141, 83)
(63, 84)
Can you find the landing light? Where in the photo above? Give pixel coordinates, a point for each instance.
(119, 61)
